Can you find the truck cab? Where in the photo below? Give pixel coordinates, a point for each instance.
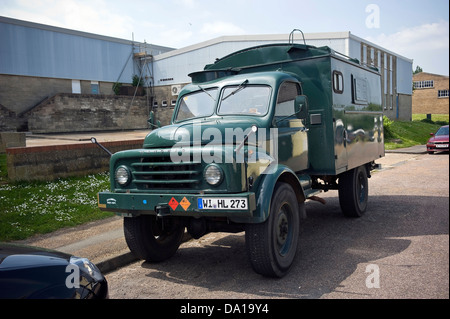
(253, 137)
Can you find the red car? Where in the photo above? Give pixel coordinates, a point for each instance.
(438, 141)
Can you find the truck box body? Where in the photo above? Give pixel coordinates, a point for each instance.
(345, 107)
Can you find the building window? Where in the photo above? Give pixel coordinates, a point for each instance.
(364, 54)
(94, 87)
(442, 93)
(155, 104)
(173, 103)
(76, 86)
(423, 84)
(164, 103)
(372, 56)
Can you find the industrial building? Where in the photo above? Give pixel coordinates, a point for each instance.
(48, 74)
(430, 95)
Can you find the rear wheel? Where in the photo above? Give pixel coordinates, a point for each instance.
(354, 192)
(272, 245)
(153, 239)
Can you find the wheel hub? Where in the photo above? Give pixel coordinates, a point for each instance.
(282, 229)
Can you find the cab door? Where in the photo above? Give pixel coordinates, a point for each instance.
(292, 136)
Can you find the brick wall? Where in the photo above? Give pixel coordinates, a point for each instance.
(59, 161)
(426, 100)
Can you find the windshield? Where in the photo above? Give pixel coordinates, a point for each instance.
(252, 100)
(442, 131)
(197, 104)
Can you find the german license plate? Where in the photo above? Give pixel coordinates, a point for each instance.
(442, 145)
(222, 203)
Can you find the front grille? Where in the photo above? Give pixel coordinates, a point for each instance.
(160, 172)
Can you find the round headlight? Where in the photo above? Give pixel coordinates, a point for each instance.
(122, 175)
(213, 175)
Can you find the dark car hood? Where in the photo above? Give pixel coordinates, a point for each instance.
(33, 272)
(20, 256)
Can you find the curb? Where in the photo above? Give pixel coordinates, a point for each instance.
(116, 262)
(417, 149)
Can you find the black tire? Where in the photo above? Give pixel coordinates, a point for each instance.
(354, 192)
(151, 240)
(272, 245)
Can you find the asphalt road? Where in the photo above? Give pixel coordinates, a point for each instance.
(398, 250)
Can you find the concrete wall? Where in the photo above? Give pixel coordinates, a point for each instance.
(10, 121)
(60, 161)
(45, 104)
(11, 139)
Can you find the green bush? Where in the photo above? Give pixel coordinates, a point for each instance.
(137, 81)
(116, 87)
(387, 124)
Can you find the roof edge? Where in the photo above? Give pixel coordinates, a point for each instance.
(47, 27)
(254, 37)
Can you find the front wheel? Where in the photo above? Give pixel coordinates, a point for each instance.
(354, 192)
(153, 239)
(272, 245)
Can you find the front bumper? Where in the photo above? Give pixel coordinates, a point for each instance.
(443, 147)
(134, 204)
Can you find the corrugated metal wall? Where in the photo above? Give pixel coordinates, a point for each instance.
(175, 69)
(36, 50)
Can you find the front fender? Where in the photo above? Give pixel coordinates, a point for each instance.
(266, 187)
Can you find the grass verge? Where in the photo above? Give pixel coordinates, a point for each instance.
(33, 208)
(399, 134)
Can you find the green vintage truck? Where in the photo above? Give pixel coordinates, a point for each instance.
(255, 135)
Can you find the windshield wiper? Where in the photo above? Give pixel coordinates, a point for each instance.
(240, 87)
(206, 93)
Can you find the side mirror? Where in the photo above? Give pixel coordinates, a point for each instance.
(301, 106)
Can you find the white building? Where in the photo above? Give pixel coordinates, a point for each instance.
(171, 69)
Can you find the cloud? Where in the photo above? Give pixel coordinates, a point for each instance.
(426, 37)
(90, 16)
(187, 3)
(427, 45)
(219, 28)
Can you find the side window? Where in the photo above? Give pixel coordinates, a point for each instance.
(286, 97)
(338, 82)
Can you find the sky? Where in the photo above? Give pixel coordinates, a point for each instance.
(415, 29)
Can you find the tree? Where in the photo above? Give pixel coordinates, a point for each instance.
(418, 70)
